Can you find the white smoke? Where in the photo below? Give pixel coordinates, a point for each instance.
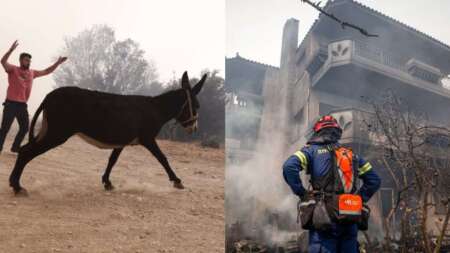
(256, 193)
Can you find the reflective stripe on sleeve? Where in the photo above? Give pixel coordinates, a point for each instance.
(302, 158)
(366, 167)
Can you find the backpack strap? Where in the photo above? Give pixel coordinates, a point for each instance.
(355, 165)
(333, 170)
(326, 183)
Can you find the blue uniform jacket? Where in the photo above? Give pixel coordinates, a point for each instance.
(317, 159)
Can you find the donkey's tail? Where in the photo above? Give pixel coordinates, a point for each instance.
(31, 137)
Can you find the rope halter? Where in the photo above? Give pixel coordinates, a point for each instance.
(192, 117)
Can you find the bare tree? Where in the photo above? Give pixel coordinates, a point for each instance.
(415, 152)
(99, 62)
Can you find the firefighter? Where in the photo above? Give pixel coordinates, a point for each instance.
(334, 171)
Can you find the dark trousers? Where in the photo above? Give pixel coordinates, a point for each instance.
(339, 239)
(12, 110)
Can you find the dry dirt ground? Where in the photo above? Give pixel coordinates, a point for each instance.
(67, 209)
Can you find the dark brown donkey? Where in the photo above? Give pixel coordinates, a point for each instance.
(109, 121)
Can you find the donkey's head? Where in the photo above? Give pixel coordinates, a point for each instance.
(188, 116)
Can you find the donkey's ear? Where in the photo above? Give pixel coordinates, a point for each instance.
(199, 85)
(185, 81)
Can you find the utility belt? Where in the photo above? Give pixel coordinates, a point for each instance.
(319, 210)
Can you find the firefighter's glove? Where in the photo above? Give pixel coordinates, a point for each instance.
(303, 197)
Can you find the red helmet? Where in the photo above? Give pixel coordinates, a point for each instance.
(326, 122)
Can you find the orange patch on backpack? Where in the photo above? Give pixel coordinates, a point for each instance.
(350, 204)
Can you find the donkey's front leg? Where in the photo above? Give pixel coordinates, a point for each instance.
(152, 146)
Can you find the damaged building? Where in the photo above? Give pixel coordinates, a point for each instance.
(337, 71)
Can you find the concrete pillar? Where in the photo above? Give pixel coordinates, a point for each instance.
(287, 75)
(289, 43)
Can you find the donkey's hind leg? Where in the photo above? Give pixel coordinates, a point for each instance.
(27, 153)
(112, 160)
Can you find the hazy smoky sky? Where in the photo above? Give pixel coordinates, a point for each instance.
(254, 27)
(177, 35)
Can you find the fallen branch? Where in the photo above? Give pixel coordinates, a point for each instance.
(341, 22)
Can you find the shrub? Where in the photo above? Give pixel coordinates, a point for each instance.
(211, 142)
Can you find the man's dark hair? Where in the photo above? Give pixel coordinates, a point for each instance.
(22, 55)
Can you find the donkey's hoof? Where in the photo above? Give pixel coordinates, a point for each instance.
(20, 192)
(178, 185)
(109, 187)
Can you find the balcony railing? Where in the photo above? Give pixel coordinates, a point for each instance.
(346, 51)
(376, 54)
